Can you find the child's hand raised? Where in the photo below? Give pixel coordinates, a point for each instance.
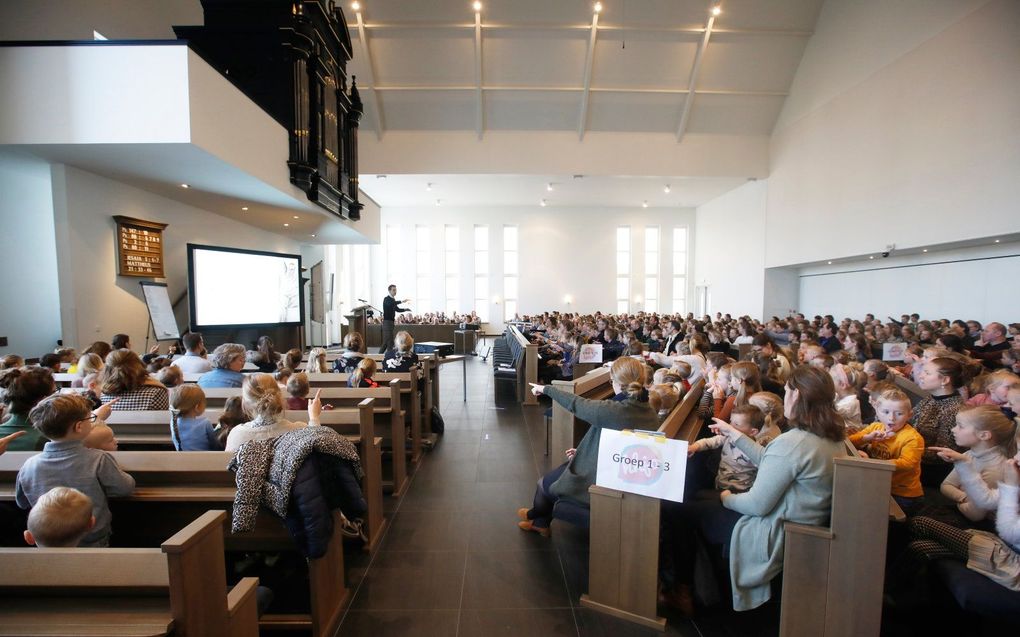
(1011, 472)
(104, 412)
(724, 428)
(315, 407)
(949, 455)
(6, 440)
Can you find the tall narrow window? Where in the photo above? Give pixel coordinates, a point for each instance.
(680, 270)
(452, 245)
(481, 248)
(423, 269)
(510, 273)
(652, 269)
(622, 269)
(392, 250)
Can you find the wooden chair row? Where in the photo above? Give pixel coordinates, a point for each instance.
(179, 589)
(178, 486)
(524, 366)
(355, 424)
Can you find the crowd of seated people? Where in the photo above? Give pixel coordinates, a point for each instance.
(432, 318)
(809, 387)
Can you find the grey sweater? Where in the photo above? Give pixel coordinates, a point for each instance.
(630, 413)
(67, 463)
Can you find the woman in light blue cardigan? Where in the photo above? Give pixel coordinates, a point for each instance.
(794, 484)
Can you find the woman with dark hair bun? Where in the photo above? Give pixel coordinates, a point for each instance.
(794, 484)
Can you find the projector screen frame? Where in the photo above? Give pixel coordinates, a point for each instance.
(194, 326)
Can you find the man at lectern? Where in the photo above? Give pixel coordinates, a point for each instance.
(390, 307)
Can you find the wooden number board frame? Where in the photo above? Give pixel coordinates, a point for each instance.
(139, 247)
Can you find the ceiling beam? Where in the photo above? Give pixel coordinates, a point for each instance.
(380, 123)
(589, 60)
(577, 89)
(496, 26)
(479, 106)
(692, 79)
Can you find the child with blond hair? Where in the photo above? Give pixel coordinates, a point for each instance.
(892, 438)
(66, 419)
(737, 470)
(189, 429)
(61, 518)
(847, 379)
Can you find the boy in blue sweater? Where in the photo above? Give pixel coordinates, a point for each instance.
(67, 419)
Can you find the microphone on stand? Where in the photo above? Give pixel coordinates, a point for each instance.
(363, 300)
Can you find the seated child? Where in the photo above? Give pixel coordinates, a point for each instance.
(93, 390)
(189, 429)
(232, 416)
(996, 390)
(60, 519)
(989, 437)
(892, 438)
(291, 360)
(655, 341)
(297, 387)
(736, 470)
(663, 398)
(846, 379)
(362, 375)
(684, 370)
(170, 376)
(282, 376)
(66, 420)
(348, 360)
(775, 420)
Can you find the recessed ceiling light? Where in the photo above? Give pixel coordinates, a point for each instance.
(871, 257)
(428, 186)
(185, 186)
(286, 225)
(313, 236)
(996, 241)
(438, 202)
(295, 216)
(598, 7)
(925, 250)
(549, 187)
(644, 204)
(829, 262)
(380, 176)
(542, 203)
(477, 6)
(716, 10)
(666, 189)
(244, 208)
(356, 5)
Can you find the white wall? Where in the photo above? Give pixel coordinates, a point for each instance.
(729, 252)
(95, 303)
(30, 311)
(924, 150)
(563, 252)
(115, 19)
(972, 283)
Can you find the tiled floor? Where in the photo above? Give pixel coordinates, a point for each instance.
(454, 563)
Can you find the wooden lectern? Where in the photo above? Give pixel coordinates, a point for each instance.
(357, 321)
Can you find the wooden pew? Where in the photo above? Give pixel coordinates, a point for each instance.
(623, 566)
(833, 576)
(910, 388)
(356, 424)
(173, 486)
(180, 589)
(411, 400)
(388, 417)
(524, 370)
(566, 428)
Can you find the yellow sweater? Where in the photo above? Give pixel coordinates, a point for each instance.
(905, 449)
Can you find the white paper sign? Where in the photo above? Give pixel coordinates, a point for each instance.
(590, 353)
(893, 351)
(642, 463)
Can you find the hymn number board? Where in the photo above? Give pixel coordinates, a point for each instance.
(139, 247)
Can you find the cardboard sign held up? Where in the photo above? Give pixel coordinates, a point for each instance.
(590, 353)
(893, 351)
(642, 463)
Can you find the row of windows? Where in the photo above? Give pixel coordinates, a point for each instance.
(652, 248)
(511, 273)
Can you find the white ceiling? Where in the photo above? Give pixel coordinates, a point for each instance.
(530, 190)
(417, 64)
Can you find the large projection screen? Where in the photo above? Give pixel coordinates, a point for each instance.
(232, 288)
